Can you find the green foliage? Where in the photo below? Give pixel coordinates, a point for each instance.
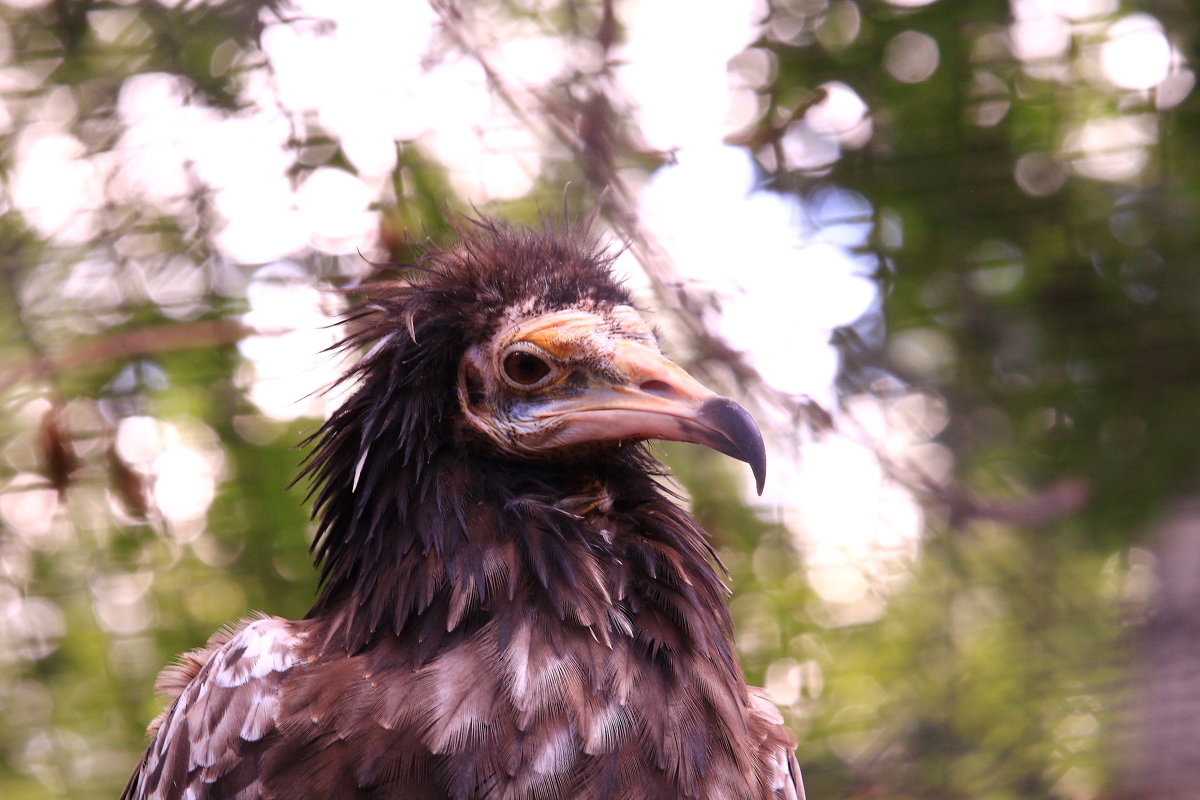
(1041, 288)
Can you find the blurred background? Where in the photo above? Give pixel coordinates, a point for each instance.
(947, 251)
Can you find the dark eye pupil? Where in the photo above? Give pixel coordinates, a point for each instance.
(525, 368)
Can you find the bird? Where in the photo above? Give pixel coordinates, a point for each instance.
(512, 604)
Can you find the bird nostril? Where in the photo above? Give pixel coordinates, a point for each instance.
(660, 388)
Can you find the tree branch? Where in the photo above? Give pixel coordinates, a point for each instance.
(129, 344)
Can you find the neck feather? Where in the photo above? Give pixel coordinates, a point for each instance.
(428, 538)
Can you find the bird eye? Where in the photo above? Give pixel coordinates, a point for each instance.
(524, 368)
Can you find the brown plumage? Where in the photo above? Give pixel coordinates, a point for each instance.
(511, 606)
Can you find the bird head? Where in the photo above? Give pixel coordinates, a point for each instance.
(522, 340)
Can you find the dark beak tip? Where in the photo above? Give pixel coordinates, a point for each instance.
(759, 468)
(742, 438)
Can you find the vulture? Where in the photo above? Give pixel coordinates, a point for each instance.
(511, 605)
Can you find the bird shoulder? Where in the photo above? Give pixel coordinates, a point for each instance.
(225, 697)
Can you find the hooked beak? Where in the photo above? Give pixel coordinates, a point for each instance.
(654, 398)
